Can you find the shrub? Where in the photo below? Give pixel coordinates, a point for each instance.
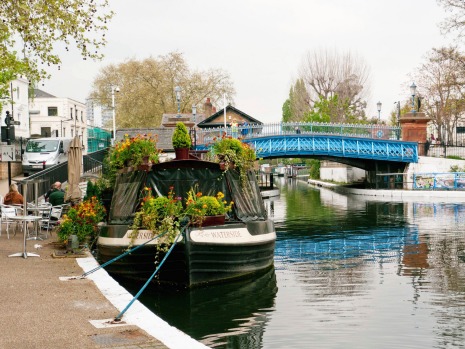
(181, 138)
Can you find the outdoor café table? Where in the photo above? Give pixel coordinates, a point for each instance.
(39, 211)
(25, 220)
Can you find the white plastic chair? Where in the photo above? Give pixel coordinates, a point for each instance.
(7, 211)
(51, 218)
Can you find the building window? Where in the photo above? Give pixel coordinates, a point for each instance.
(46, 131)
(52, 111)
(82, 116)
(71, 112)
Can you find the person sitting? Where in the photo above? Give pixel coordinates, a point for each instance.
(13, 197)
(57, 197)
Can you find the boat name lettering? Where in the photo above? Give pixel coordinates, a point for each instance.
(141, 235)
(226, 234)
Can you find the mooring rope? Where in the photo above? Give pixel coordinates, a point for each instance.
(120, 315)
(120, 256)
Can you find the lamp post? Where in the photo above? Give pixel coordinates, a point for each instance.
(177, 91)
(413, 89)
(378, 106)
(113, 90)
(193, 131)
(75, 121)
(439, 121)
(61, 125)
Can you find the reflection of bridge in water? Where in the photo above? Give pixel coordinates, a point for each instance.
(348, 246)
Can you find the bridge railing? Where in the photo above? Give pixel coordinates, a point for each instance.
(206, 136)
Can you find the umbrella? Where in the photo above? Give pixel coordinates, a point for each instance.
(73, 191)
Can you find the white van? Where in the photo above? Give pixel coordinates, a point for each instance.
(44, 151)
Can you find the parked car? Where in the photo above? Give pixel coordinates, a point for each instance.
(43, 153)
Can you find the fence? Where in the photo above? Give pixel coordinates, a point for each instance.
(442, 150)
(41, 181)
(206, 136)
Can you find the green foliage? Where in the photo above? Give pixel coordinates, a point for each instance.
(159, 214)
(134, 150)
(37, 26)
(233, 154)
(198, 206)
(296, 107)
(314, 171)
(81, 220)
(147, 88)
(92, 190)
(287, 114)
(328, 110)
(181, 138)
(456, 168)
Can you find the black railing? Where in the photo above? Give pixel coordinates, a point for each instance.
(41, 182)
(441, 150)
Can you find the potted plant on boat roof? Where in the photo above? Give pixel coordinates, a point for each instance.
(134, 151)
(160, 215)
(232, 154)
(165, 214)
(207, 210)
(181, 141)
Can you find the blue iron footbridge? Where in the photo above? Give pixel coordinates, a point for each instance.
(363, 146)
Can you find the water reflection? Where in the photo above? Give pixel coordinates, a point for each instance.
(352, 272)
(229, 316)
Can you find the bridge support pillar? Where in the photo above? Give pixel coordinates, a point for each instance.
(414, 129)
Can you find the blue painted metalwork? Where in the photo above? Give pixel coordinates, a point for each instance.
(439, 181)
(332, 145)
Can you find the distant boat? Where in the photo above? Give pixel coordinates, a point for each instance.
(280, 171)
(241, 247)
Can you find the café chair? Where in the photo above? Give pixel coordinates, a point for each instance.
(7, 211)
(51, 218)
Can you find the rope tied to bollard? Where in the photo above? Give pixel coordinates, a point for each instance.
(83, 276)
(118, 318)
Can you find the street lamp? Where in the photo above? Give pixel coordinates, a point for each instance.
(193, 131)
(378, 106)
(61, 125)
(413, 89)
(194, 111)
(113, 90)
(177, 91)
(75, 120)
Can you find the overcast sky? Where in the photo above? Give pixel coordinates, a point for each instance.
(261, 43)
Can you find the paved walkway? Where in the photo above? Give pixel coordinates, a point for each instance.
(37, 310)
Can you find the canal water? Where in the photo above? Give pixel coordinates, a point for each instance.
(349, 273)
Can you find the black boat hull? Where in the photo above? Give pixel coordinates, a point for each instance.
(203, 256)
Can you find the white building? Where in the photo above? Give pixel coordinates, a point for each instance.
(52, 116)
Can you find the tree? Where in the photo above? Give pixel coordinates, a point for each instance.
(456, 21)
(147, 88)
(31, 30)
(327, 74)
(297, 105)
(441, 83)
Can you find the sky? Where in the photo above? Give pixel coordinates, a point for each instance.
(261, 44)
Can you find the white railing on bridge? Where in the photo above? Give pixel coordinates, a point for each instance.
(206, 136)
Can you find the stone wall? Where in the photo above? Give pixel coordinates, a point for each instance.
(16, 169)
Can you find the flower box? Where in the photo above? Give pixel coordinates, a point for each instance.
(213, 220)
